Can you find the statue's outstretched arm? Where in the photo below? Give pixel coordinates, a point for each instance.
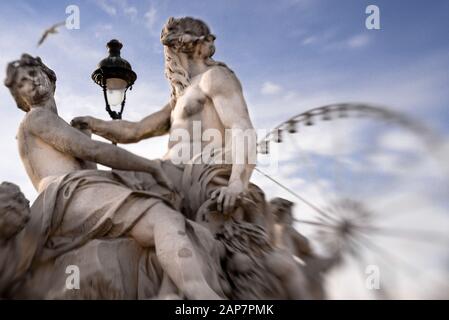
(223, 87)
(121, 131)
(49, 127)
(301, 243)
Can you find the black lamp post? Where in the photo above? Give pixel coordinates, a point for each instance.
(115, 76)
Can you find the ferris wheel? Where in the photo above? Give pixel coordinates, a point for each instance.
(372, 184)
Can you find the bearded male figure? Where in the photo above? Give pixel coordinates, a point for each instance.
(204, 92)
(212, 174)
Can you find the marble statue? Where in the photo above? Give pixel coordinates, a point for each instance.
(78, 203)
(286, 236)
(179, 227)
(14, 215)
(207, 91)
(203, 90)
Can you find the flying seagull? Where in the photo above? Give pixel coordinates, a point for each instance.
(51, 30)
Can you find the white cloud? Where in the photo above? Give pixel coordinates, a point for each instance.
(131, 12)
(309, 40)
(358, 41)
(102, 29)
(324, 38)
(114, 7)
(107, 7)
(270, 88)
(151, 18)
(331, 40)
(398, 140)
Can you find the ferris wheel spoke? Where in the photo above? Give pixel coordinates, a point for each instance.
(388, 257)
(353, 248)
(411, 269)
(313, 174)
(337, 167)
(327, 214)
(361, 261)
(315, 223)
(302, 199)
(416, 235)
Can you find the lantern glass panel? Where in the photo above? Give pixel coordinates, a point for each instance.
(115, 91)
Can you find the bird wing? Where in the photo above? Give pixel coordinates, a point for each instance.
(52, 29)
(59, 24)
(42, 39)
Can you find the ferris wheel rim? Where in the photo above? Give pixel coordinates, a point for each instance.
(429, 136)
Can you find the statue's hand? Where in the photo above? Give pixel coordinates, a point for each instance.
(227, 196)
(82, 123)
(159, 175)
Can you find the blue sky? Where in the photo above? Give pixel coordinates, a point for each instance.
(303, 46)
(290, 55)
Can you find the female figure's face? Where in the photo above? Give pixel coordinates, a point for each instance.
(32, 85)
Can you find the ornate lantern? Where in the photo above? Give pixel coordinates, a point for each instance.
(115, 76)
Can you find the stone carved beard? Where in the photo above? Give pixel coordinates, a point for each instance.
(175, 73)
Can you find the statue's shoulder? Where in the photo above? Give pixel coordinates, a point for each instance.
(38, 114)
(220, 78)
(36, 117)
(220, 69)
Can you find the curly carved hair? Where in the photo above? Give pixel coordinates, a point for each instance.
(183, 35)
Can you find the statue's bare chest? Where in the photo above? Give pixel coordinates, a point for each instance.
(190, 105)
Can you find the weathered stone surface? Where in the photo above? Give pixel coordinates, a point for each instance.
(108, 269)
(194, 230)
